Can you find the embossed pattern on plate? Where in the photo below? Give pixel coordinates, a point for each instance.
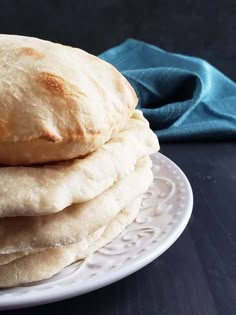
(165, 211)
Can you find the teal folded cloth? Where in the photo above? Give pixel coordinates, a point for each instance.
(184, 98)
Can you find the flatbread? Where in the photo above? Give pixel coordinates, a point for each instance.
(28, 191)
(47, 263)
(57, 102)
(7, 258)
(76, 222)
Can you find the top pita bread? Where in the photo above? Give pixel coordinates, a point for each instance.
(57, 102)
(28, 191)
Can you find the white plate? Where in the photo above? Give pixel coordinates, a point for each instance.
(165, 212)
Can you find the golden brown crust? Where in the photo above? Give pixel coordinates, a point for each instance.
(28, 51)
(54, 84)
(51, 94)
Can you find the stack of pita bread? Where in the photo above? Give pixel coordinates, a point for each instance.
(74, 157)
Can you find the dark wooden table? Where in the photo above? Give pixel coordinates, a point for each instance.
(197, 275)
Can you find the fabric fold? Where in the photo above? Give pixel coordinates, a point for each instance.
(183, 97)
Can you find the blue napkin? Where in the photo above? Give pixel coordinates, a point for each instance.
(184, 98)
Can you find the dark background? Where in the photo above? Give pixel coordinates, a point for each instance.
(204, 28)
(197, 275)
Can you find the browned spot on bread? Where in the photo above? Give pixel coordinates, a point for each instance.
(28, 51)
(79, 131)
(3, 129)
(52, 83)
(93, 131)
(7, 127)
(47, 135)
(117, 80)
(121, 84)
(57, 86)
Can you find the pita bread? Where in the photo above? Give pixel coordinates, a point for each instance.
(28, 191)
(7, 258)
(77, 221)
(47, 263)
(66, 102)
